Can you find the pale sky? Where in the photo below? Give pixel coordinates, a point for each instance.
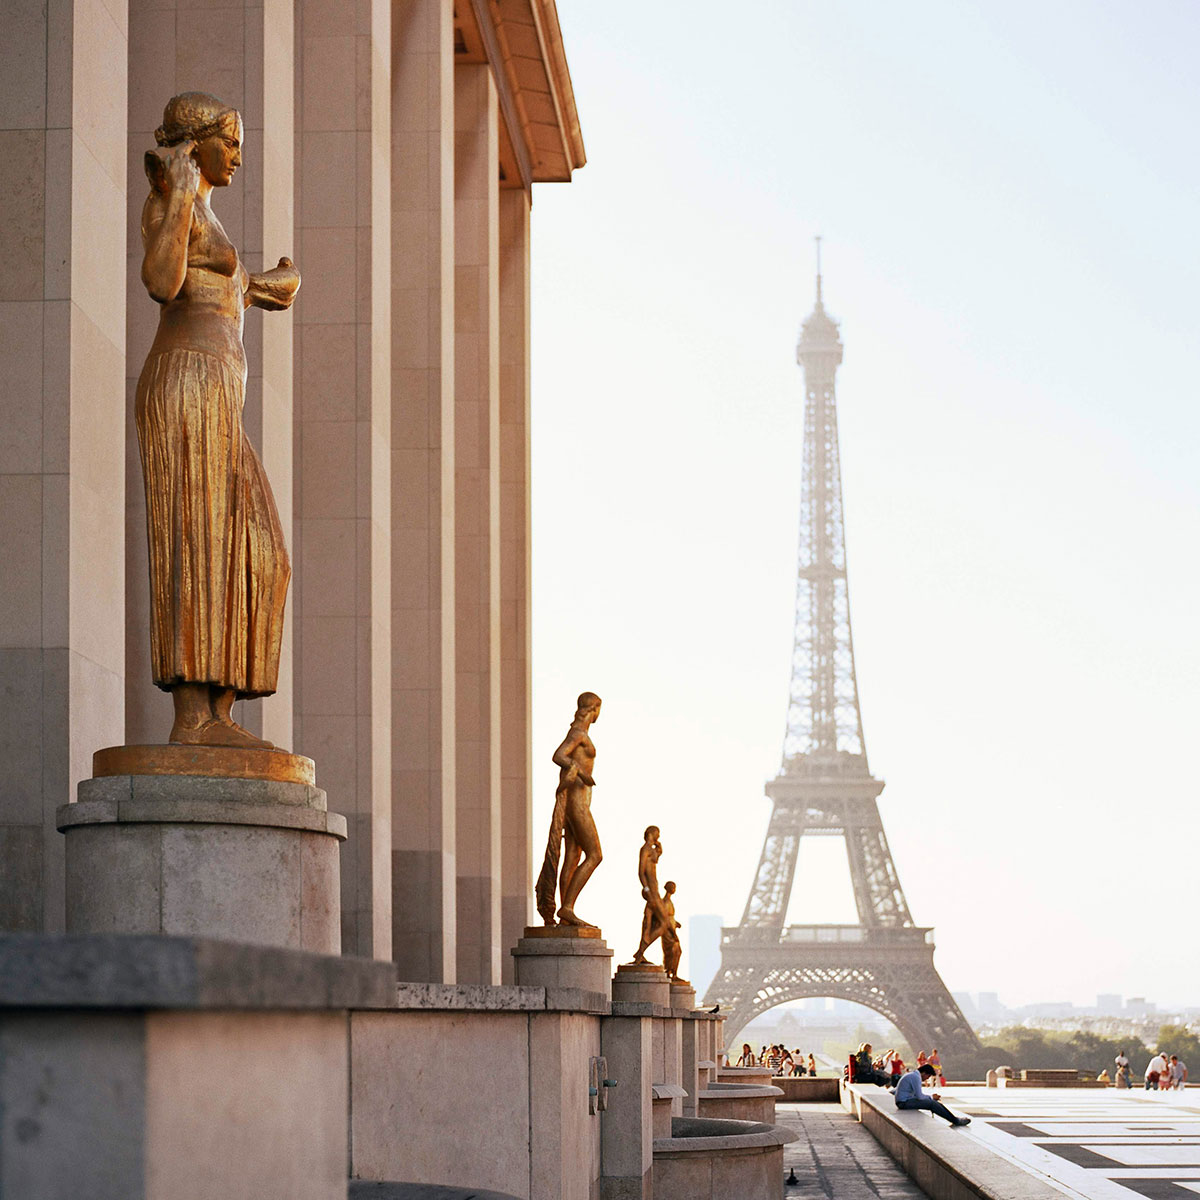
(1008, 197)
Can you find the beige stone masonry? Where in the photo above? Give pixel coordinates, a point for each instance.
(343, 343)
(62, 347)
(424, 882)
(477, 521)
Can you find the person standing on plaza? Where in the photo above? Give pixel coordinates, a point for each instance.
(1121, 1061)
(909, 1094)
(1122, 1080)
(935, 1062)
(812, 1065)
(1155, 1070)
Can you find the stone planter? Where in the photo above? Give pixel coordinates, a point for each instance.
(706, 1159)
(739, 1102)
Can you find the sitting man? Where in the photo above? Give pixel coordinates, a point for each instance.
(910, 1095)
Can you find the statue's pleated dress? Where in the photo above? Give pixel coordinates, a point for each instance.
(219, 567)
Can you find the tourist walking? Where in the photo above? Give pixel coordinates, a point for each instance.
(909, 1094)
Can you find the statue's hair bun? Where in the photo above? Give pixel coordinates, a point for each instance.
(191, 116)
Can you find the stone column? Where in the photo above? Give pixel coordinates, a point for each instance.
(342, 589)
(516, 801)
(242, 53)
(477, 519)
(627, 1130)
(422, 488)
(62, 348)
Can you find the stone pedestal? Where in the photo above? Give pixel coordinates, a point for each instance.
(563, 956)
(683, 995)
(241, 856)
(641, 983)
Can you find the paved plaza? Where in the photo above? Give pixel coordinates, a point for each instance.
(836, 1157)
(1100, 1145)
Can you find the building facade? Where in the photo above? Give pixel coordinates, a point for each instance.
(391, 150)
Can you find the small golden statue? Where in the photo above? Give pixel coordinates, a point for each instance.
(658, 917)
(572, 829)
(219, 568)
(672, 948)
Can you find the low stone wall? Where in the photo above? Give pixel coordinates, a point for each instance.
(361, 1189)
(942, 1162)
(808, 1089)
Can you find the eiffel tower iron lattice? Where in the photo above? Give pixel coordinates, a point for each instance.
(824, 787)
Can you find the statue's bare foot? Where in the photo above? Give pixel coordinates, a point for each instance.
(219, 733)
(566, 916)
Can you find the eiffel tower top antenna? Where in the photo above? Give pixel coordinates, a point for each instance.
(817, 239)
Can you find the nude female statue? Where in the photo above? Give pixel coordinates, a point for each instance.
(572, 825)
(219, 568)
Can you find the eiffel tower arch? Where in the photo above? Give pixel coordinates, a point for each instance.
(825, 788)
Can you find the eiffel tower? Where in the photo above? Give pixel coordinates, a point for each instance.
(825, 788)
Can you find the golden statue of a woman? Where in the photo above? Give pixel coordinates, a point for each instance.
(572, 830)
(219, 568)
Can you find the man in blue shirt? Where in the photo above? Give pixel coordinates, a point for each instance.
(910, 1095)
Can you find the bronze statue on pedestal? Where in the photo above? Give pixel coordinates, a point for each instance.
(219, 568)
(658, 917)
(572, 829)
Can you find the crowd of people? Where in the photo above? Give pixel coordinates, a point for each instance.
(779, 1058)
(1164, 1073)
(887, 1070)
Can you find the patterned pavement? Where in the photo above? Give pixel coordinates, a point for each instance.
(1099, 1145)
(837, 1159)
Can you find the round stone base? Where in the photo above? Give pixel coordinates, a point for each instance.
(563, 962)
(683, 995)
(223, 762)
(244, 860)
(644, 983)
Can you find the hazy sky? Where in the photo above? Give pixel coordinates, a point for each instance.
(1008, 195)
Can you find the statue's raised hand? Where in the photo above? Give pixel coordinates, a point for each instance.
(183, 171)
(174, 170)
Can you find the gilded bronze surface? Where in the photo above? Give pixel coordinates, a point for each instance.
(653, 915)
(658, 917)
(219, 568)
(561, 931)
(572, 829)
(672, 947)
(224, 762)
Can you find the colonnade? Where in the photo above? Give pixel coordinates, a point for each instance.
(391, 148)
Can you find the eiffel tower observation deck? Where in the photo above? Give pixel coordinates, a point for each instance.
(825, 788)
